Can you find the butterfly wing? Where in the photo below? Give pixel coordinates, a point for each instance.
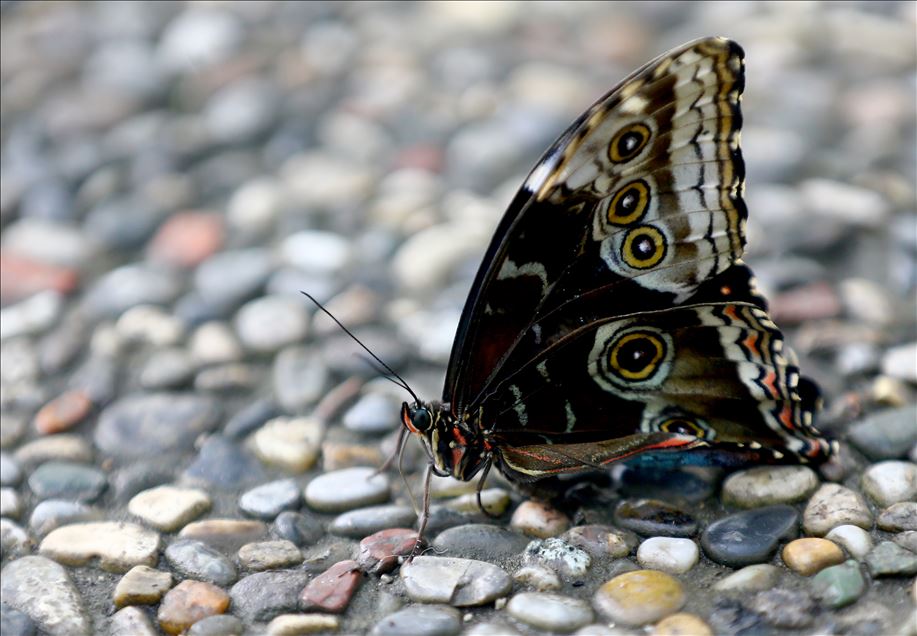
(714, 377)
(641, 197)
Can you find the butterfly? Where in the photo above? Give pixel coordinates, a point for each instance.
(612, 317)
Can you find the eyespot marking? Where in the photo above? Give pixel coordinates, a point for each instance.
(629, 204)
(643, 247)
(628, 142)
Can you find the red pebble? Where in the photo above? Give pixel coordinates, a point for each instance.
(332, 590)
(21, 277)
(187, 239)
(379, 552)
(63, 412)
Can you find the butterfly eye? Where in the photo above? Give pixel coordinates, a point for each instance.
(628, 142)
(644, 247)
(421, 419)
(636, 355)
(629, 203)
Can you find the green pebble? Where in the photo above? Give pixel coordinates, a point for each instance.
(839, 585)
(890, 559)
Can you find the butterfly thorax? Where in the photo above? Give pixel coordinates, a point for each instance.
(456, 446)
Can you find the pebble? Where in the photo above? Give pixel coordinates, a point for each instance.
(226, 535)
(269, 500)
(373, 414)
(810, 555)
(10, 473)
(14, 541)
(457, 582)
(654, 518)
(332, 590)
(557, 554)
(839, 585)
(749, 537)
(550, 612)
(22, 277)
(364, 521)
(118, 545)
(269, 555)
(681, 624)
(668, 554)
(834, 505)
(887, 434)
(189, 602)
(143, 425)
(215, 342)
(168, 508)
(539, 577)
(196, 559)
(32, 316)
(63, 447)
(129, 286)
(539, 519)
(291, 444)
(853, 539)
(420, 620)
(222, 464)
(379, 552)
(299, 378)
(170, 368)
(228, 278)
(187, 239)
(783, 608)
(769, 485)
(602, 541)
(890, 559)
(347, 489)
(43, 590)
(150, 325)
(250, 418)
(138, 476)
(67, 480)
(751, 578)
(899, 517)
(898, 362)
(890, 482)
(141, 585)
(269, 323)
(49, 243)
(639, 597)
(299, 528)
(480, 541)
(219, 625)
(131, 620)
(10, 503)
(298, 624)
(494, 500)
(336, 455)
(264, 595)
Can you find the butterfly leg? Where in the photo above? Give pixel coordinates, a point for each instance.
(481, 481)
(425, 512)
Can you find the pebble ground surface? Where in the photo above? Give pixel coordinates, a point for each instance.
(188, 448)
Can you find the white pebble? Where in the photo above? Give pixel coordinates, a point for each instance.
(853, 539)
(668, 554)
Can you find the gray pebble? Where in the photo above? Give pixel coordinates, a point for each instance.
(346, 489)
(299, 528)
(269, 500)
(219, 625)
(222, 464)
(196, 559)
(550, 612)
(890, 559)
(269, 323)
(227, 279)
(363, 522)
(167, 369)
(264, 595)
(142, 475)
(420, 620)
(10, 474)
(480, 541)
(250, 418)
(10, 503)
(373, 414)
(299, 378)
(131, 620)
(14, 541)
(15, 623)
(50, 242)
(129, 286)
(66, 480)
(888, 434)
(458, 582)
(54, 513)
(786, 609)
(42, 589)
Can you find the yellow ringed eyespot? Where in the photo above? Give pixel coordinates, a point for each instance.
(644, 247)
(629, 204)
(628, 142)
(636, 355)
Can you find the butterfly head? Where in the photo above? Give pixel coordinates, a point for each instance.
(453, 448)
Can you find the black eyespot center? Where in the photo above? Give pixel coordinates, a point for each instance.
(635, 355)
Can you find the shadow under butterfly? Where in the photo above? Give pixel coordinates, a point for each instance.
(612, 317)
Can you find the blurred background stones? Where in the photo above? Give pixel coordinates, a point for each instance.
(172, 175)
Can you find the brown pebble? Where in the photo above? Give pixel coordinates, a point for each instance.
(187, 239)
(539, 519)
(379, 552)
(21, 277)
(682, 624)
(331, 590)
(189, 602)
(142, 585)
(811, 555)
(337, 455)
(227, 535)
(63, 412)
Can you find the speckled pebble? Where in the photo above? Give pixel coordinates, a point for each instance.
(291, 444)
(853, 539)
(899, 517)
(834, 505)
(602, 541)
(458, 582)
(269, 500)
(890, 482)
(783, 608)
(332, 590)
(550, 612)
(539, 519)
(537, 577)
(751, 578)
(651, 517)
(420, 620)
(117, 546)
(67, 480)
(839, 585)
(196, 559)
(639, 597)
(168, 508)
(480, 541)
(269, 555)
(810, 555)
(298, 624)
(14, 541)
(43, 590)
(141, 585)
(263, 595)
(890, 559)
(668, 554)
(347, 489)
(151, 325)
(906, 539)
(10, 503)
(769, 485)
(681, 624)
(751, 536)
(189, 602)
(131, 620)
(557, 554)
